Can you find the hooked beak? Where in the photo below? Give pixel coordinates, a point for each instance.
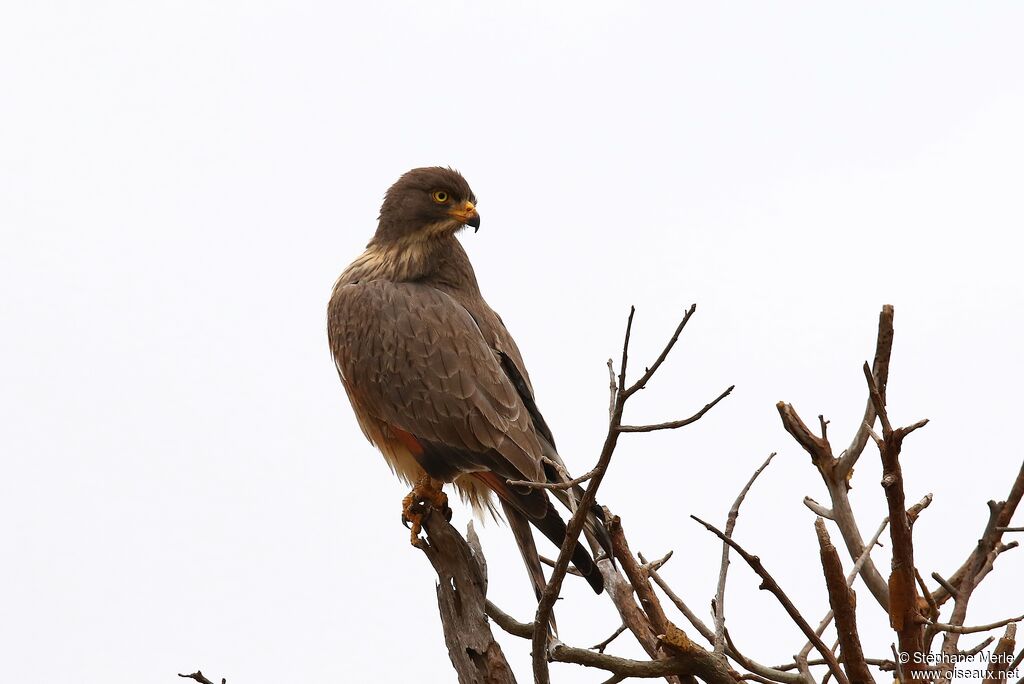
(466, 213)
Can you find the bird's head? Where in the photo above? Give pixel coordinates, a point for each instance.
(426, 203)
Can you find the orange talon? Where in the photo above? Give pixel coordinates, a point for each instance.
(426, 491)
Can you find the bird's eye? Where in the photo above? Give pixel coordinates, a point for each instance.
(440, 196)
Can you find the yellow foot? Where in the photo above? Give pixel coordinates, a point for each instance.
(426, 492)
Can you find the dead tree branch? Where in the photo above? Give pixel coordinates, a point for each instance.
(904, 614)
(730, 525)
(978, 564)
(844, 606)
(1002, 655)
(850, 577)
(574, 528)
(768, 583)
(462, 600)
(912, 608)
(836, 472)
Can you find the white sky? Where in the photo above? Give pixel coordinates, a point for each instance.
(184, 485)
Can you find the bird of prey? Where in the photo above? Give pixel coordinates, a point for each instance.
(437, 382)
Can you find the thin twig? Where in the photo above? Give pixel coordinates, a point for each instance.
(568, 484)
(959, 629)
(723, 571)
(599, 647)
(672, 425)
(649, 373)
(611, 389)
(656, 564)
(550, 563)
(979, 648)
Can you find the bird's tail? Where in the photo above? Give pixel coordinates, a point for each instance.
(528, 550)
(527, 506)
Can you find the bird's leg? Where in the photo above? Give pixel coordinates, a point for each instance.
(426, 491)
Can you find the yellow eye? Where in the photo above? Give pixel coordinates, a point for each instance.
(440, 196)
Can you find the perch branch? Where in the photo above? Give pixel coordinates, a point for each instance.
(462, 599)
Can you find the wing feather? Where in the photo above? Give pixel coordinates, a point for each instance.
(418, 361)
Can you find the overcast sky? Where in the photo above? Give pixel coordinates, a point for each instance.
(184, 485)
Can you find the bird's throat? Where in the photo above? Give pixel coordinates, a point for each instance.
(437, 259)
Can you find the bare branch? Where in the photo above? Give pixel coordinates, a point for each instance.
(656, 564)
(978, 649)
(622, 597)
(1000, 661)
(462, 600)
(979, 563)
(550, 563)
(730, 526)
(568, 484)
(709, 635)
(677, 665)
(585, 505)
(648, 669)
(850, 577)
(914, 511)
(903, 605)
(990, 538)
(672, 425)
(698, 624)
(625, 350)
(667, 632)
(933, 608)
(769, 673)
(612, 389)
(844, 607)
(508, 623)
(883, 664)
(599, 647)
(838, 487)
(769, 584)
(649, 373)
(1017, 661)
(818, 509)
(880, 371)
(944, 583)
(959, 629)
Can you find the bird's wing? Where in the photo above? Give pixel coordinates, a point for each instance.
(416, 360)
